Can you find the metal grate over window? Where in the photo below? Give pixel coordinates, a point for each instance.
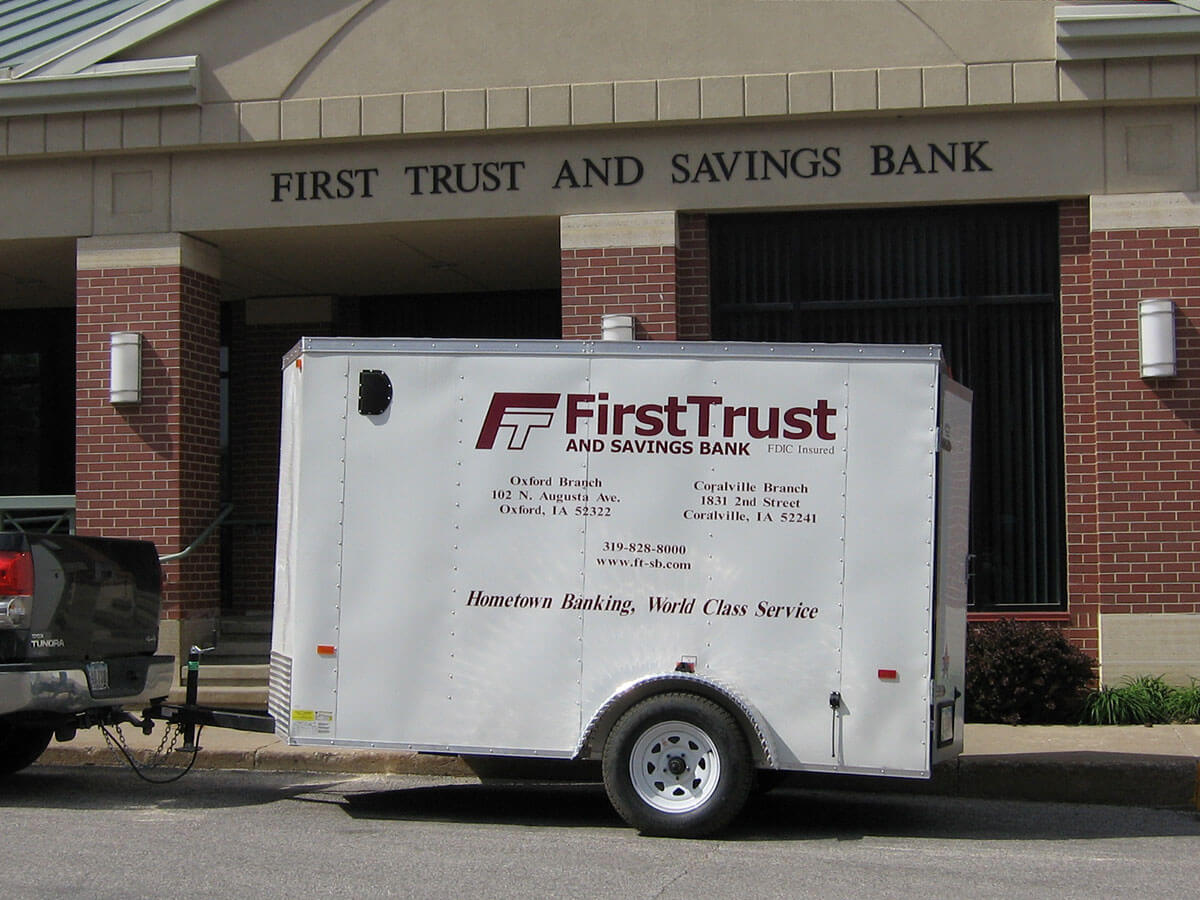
(982, 282)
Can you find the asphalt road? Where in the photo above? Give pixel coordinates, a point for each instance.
(100, 833)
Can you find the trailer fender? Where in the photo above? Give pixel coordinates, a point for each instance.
(758, 735)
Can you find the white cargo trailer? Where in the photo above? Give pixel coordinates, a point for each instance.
(688, 561)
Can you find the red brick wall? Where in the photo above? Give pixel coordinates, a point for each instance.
(665, 288)
(1133, 453)
(150, 470)
(693, 290)
(628, 280)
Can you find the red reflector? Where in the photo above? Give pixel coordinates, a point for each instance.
(889, 675)
(16, 573)
(326, 650)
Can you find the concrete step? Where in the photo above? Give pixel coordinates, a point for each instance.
(240, 650)
(242, 640)
(241, 686)
(230, 675)
(244, 697)
(237, 626)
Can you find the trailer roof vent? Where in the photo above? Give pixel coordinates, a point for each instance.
(374, 392)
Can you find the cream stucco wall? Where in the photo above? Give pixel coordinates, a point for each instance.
(344, 69)
(254, 51)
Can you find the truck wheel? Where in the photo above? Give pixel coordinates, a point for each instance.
(677, 765)
(19, 747)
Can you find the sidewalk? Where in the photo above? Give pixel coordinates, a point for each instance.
(1125, 765)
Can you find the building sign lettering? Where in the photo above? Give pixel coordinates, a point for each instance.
(321, 184)
(932, 159)
(624, 170)
(463, 178)
(756, 165)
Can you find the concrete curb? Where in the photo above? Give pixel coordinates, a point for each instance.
(1113, 779)
(269, 758)
(1120, 779)
(1082, 777)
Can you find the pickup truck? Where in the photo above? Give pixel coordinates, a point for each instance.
(78, 635)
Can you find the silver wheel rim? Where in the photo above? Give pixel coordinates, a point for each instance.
(675, 767)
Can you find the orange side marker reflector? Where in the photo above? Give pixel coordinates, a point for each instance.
(326, 650)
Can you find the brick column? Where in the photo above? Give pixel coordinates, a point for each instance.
(1079, 423)
(150, 470)
(1148, 459)
(620, 263)
(1132, 444)
(694, 282)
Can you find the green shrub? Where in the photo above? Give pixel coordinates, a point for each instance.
(1139, 701)
(1024, 673)
(1108, 706)
(1184, 704)
(1145, 700)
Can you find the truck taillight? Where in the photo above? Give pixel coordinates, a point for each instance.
(16, 588)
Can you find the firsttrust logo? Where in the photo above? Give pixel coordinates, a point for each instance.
(694, 415)
(519, 412)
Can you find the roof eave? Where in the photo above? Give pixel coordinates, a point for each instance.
(1126, 30)
(110, 86)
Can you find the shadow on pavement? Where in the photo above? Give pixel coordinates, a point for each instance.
(52, 787)
(553, 805)
(784, 814)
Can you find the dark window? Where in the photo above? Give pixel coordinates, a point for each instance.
(509, 314)
(37, 401)
(980, 281)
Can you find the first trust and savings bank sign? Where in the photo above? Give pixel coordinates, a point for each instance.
(585, 173)
(717, 167)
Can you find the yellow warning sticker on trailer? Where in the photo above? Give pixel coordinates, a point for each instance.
(311, 723)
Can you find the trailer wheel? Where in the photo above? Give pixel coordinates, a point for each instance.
(20, 747)
(677, 765)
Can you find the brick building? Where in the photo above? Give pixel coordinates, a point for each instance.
(1010, 180)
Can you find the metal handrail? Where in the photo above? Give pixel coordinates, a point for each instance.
(204, 535)
(61, 509)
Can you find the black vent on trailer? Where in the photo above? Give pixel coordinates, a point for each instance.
(980, 281)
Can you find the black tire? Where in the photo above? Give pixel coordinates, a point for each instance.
(677, 765)
(21, 746)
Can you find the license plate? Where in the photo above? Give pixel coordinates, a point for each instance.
(97, 676)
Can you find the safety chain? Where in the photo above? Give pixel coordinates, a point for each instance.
(157, 759)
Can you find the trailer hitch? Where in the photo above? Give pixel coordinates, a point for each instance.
(190, 717)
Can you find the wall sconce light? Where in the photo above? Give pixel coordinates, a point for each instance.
(617, 327)
(125, 367)
(1156, 338)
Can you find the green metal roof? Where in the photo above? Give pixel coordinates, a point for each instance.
(29, 28)
(56, 55)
